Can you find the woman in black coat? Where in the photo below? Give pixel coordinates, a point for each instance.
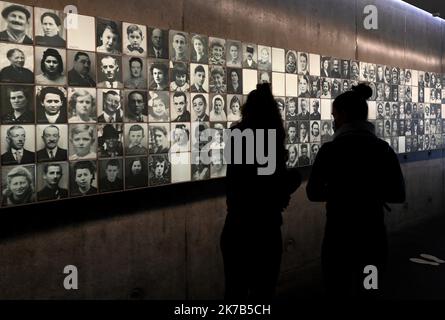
(356, 174)
(251, 241)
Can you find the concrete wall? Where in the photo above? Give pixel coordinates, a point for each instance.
(164, 243)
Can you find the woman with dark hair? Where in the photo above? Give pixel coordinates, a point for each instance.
(51, 31)
(356, 174)
(136, 173)
(83, 175)
(51, 66)
(251, 241)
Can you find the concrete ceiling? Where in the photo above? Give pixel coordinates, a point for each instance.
(432, 6)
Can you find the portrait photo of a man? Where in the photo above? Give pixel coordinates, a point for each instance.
(17, 23)
(52, 181)
(82, 67)
(18, 145)
(109, 71)
(53, 143)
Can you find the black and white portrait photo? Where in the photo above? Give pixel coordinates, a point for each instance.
(109, 74)
(180, 167)
(315, 135)
(16, 24)
(179, 103)
(234, 53)
(303, 159)
(159, 106)
(201, 137)
(18, 185)
(110, 139)
(304, 86)
(326, 85)
(136, 172)
(16, 63)
(51, 105)
(50, 66)
(179, 77)
(335, 68)
(157, 43)
(303, 63)
(108, 36)
(326, 131)
(218, 108)
(355, 71)
(83, 178)
(292, 150)
(111, 175)
(81, 68)
(180, 137)
(82, 141)
(218, 168)
(82, 105)
(52, 181)
(136, 106)
(135, 72)
(336, 89)
(110, 106)
(17, 144)
(234, 81)
(199, 75)
(160, 170)
(291, 109)
(52, 142)
(199, 170)
(179, 46)
(325, 67)
(250, 56)
(315, 109)
(49, 28)
(345, 69)
(264, 77)
(134, 39)
(17, 104)
(200, 49)
(159, 138)
(217, 51)
(291, 61)
(303, 109)
(217, 79)
(158, 76)
(200, 107)
(83, 35)
(234, 107)
(264, 58)
(315, 86)
(136, 137)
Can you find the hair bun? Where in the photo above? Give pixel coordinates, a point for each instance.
(363, 90)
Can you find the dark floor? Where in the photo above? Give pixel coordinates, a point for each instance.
(405, 279)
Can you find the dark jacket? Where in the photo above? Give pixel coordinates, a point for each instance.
(41, 117)
(8, 158)
(258, 200)
(49, 194)
(356, 174)
(75, 79)
(61, 155)
(106, 185)
(17, 75)
(5, 37)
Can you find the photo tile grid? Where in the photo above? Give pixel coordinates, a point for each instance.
(128, 106)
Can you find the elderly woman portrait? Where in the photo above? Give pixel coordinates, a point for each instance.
(19, 187)
(52, 69)
(82, 107)
(51, 34)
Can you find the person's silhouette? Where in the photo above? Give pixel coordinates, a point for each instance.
(356, 174)
(251, 241)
